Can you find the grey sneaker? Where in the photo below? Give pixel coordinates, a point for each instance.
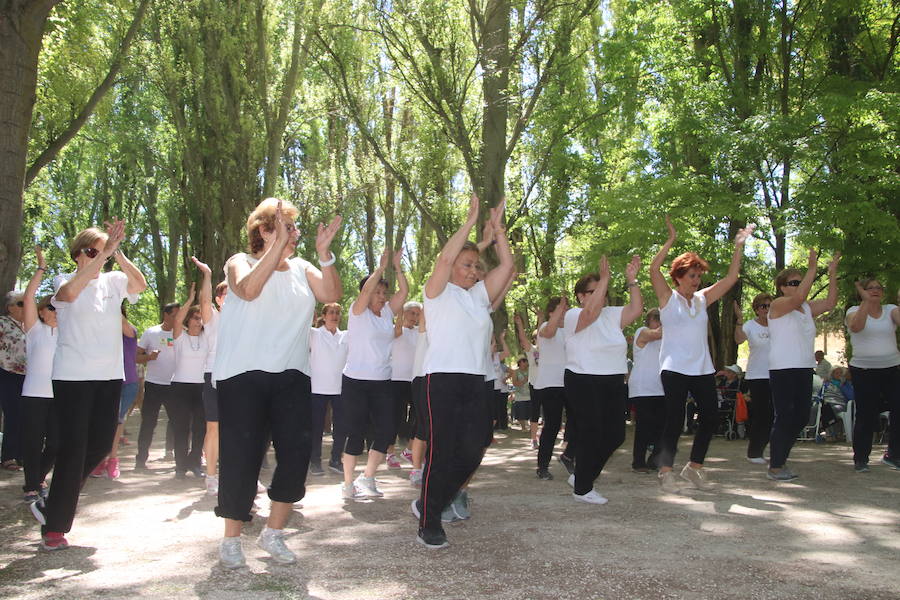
(231, 555)
(861, 467)
(669, 482)
(448, 515)
(891, 462)
(272, 541)
(783, 475)
(367, 486)
(316, 469)
(351, 491)
(698, 477)
(460, 505)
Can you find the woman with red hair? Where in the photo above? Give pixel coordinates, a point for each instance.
(685, 363)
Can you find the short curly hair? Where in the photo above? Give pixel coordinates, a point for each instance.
(263, 216)
(684, 263)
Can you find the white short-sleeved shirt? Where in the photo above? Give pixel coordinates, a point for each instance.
(792, 340)
(874, 347)
(155, 338)
(190, 357)
(403, 353)
(370, 337)
(459, 330)
(551, 359)
(758, 340)
(419, 358)
(89, 347)
(211, 330)
(598, 349)
(271, 332)
(644, 380)
(531, 355)
(40, 346)
(685, 346)
(327, 357)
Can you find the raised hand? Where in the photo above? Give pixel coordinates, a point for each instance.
(631, 270)
(743, 234)
(39, 255)
(385, 258)
(833, 265)
(397, 262)
(325, 235)
(191, 294)
(204, 268)
(115, 232)
(487, 233)
(496, 216)
(672, 233)
(604, 267)
(813, 260)
(864, 294)
(282, 228)
(473, 210)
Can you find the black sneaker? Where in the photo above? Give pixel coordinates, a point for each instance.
(433, 540)
(316, 469)
(861, 467)
(568, 463)
(336, 466)
(141, 467)
(544, 474)
(198, 472)
(180, 475)
(891, 462)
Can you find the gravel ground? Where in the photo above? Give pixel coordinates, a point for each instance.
(831, 535)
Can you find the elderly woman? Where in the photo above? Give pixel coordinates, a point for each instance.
(792, 334)
(87, 368)
(403, 352)
(756, 334)
(327, 357)
(262, 372)
(874, 370)
(645, 390)
(685, 363)
(12, 376)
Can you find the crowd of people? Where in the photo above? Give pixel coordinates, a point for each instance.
(249, 365)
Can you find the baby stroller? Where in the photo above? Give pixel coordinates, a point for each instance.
(727, 426)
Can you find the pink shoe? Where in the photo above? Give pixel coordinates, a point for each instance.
(53, 540)
(392, 462)
(112, 468)
(99, 470)
(406, 455)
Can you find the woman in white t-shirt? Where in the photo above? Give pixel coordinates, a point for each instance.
(40, 431)
(875, 370)
(403, 352)
(88, 368)
(210, 316)
(685, 362)
(792, 334)
(366, 384)
(262, 372)
(645, 391)
(756, 334)
(596, 365)
(327, 357)
(457, 306)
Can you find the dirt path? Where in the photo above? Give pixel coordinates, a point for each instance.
(834, 535)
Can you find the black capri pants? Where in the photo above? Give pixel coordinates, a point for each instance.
(251, 405)
(423, 421)
(676, 387)
(366, 401)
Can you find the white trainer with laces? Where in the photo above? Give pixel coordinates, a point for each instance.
(592, 497)
(231, 554)
(212, 485)
(272, 541)
(698, 477)
(571, 480)
(351, 491)
(367, 486)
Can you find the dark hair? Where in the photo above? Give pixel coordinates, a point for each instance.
(42, 304)
(171, 306)
(684, 263)
(363, 281)
(653, 313)
(782, 278)
(221, 289)
(190, 313)
(582, 284)
(552, 303)
(761, 299)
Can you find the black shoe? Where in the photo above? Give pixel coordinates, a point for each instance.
(198, 472)
(141, 467)
(316, 469)
(432, 539)
(180, 475)
(568, 463)
(544, 474)
(336, 466)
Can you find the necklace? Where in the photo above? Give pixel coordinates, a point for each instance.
(191, 342)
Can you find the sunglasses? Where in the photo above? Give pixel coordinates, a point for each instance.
(90, 252)
(51, 308)
(762, 306)
(793, 283)
(20, 303)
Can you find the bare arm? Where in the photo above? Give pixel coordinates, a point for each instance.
(136, 281)
(71, 289)
(504, 353)
(721, 287)
(498, 280)
(498, 301)
(29, 306)
(399, 297)
(784, 304)
(739, 336)
(648, 335)
(143, 357)
(555, 320)
(178, 326)
(487, 237)
(657, 279)
(524, 342)
(818, 307)
(128, 329)
(361, 303)
(247, 281)
(635, 305)
(325, 283)
(596, 300)
(895, 315)
(206, 307)
(398, 325)
(440, 276)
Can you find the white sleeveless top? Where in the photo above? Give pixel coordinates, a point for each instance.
(551, 359)
(792, 338)
(874, 347)
(685, 347)
(598, 349)
(40, 346)
(644, 380)
(370, 338)
(459, 323)
(758, 340)
(271, 332)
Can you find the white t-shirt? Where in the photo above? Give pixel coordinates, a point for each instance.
(499, 372)
(792, 340)
(271, 332)
(190, 357)
(758, 340)
(89, 347)
(459, 325)
(159, 371)
(685, 347)
(531, 355)
(403, 354)
(40, 346)
(370, 337)
(874, 347)
(551, 359)
(419, 358)
(598, 349)
(644, 380)
(327, 357)
(211, 330)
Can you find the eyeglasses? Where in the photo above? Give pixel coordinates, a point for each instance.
(766, 306)
(90, 252)
(51, 308)
(875, 288)
(793, 283)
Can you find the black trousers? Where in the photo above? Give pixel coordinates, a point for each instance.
(420, 397)
(501, 411)
(650, 416)
(458, 417)
(552, 400)
(404, 410)
(320, 404)
(367, 402)
(600, 403)
(876, 390)
(185, 408)
(155, 396)
(760, 406)
(40, 440)
(792, 400)
(87, 414)
(703, 390)
(11, 402)
(252, 405)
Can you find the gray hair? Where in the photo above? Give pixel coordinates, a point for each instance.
(12, 297)
(411, 304)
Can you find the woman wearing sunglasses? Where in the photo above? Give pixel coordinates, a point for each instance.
(87, 368)
(756, 333)
(792, 335)
(12, 375)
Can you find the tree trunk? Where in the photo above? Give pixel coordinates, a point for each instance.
(495, 83)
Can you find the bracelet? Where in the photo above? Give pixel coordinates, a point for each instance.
(40, 269)
(329, 262)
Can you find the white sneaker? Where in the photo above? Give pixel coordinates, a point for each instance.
(212, 485)
(351, 491)
(592, 497)
(368, 488)
(571, 480)
(698, 477)
(758, 460)
(415, 477)
(669, 483)
(272, 541)
(260, 488)
(231, 555)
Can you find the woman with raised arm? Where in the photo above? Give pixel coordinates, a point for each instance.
(596, 366)
(874, 370)
(457, 306)
(645, 390)
(40, 429)
(366, 384)
(685, 362)
(403, 352)
(262, 372)
(210, 316)
(756, 334)
(529, 347)
(87, 368)
(792, 336)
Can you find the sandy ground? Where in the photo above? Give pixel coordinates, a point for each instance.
(833, 534)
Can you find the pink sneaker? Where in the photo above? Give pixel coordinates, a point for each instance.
(392, 462)
(99, 470)
(406, 455)
(54, 541)
(112, 468)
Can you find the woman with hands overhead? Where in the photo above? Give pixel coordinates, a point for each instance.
(756, 333)
(685, 363)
